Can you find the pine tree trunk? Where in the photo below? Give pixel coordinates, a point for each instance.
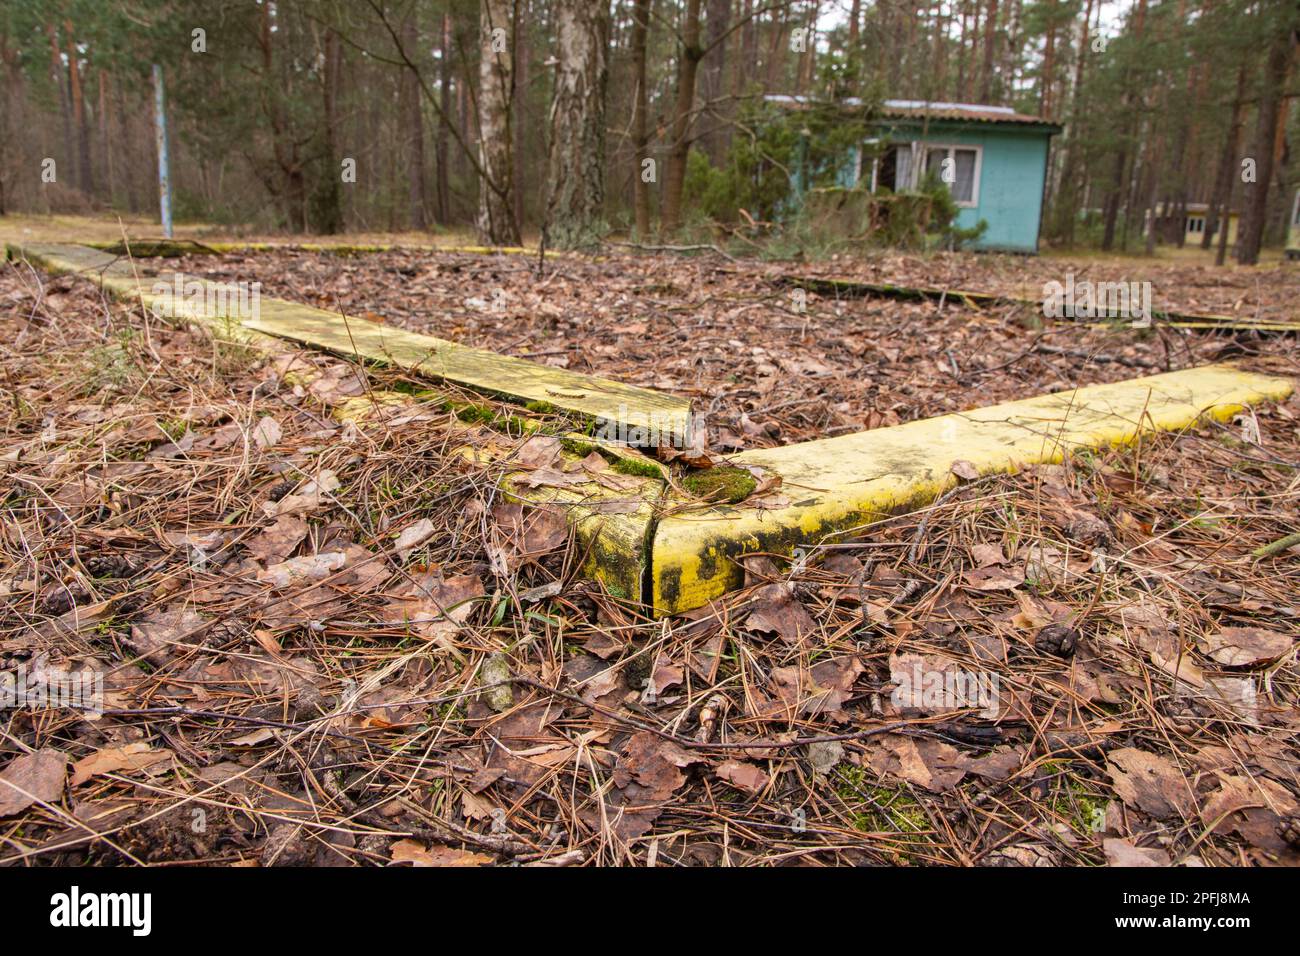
(718, 21)
(990, 51)
(329, 212)
(496, 206)
(1153, 187)
(85, 174)
(777, 46)
(1218, 211)
(1045, 104)
(576, 166)
(1270, 128)
(746, 70)
(412, 119)
(105, 143)
(1010, 47)
(519, 112)
(640, 111)
(688, 62)
(59, 77)
(442, 141)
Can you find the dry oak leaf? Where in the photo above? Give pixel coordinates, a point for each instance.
(776, 611)
(540, 451)
(663, 675)
(409, 851)
(743, 776)
(964, 469)
(1244, 646)
(277, 542)
(653, 762)
(267, 432)
(1253, 807)
(133, 756)
(533, 530)
(1149, 782)
(161, 632)
(412, 537)
(306, 569)
(986, 555)
(550, 478)
(307, 498)
(31, 778)
(821, 689)
(931, 764)
(994, 579)
(1123, 853)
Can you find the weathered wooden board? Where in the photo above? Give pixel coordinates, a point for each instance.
(615, 407)
(841, 485)
(855, 288)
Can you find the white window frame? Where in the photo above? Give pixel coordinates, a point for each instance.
(1295, 211)
(921, 152)
(1196, 224)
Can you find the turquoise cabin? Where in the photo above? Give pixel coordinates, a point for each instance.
(993, 159)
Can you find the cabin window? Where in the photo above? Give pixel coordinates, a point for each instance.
(896, 169)
(893, 170)
(1196, 224)
(961, 165)
(1295, 211)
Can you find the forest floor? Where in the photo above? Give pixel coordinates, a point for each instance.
(306, 626)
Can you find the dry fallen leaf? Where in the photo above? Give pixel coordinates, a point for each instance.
(412, 536)
(409, 851)
(994, 578)
(1123, 853)
(309, 567)
(267, 433)
(964, 469)
(743, 776)
(1149, 782)
(32, 778)
(776, 611)
(133, 756)
(278, 541)
(1244, 646)
(986, 555)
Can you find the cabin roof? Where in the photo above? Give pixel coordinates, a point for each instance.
(922, 110)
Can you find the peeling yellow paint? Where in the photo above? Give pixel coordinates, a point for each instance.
(841, 485)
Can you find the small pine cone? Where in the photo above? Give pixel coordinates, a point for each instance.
(1059, 640)
(61, 598)
(1181, 713)
(1289, 829)
(1086, 529)
(109, 565)
(280, 489)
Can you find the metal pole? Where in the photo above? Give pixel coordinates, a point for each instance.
(164, 164)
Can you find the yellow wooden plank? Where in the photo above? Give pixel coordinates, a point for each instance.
(831, 286)
(845, 483)
(615, 407)
(167, 248)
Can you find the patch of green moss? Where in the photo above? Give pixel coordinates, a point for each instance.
(476, 414)
(173, 428)
(541, 408)
(580, 448)
(635, 466)
(877, 809)
(724, 484)
(1075, 801)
